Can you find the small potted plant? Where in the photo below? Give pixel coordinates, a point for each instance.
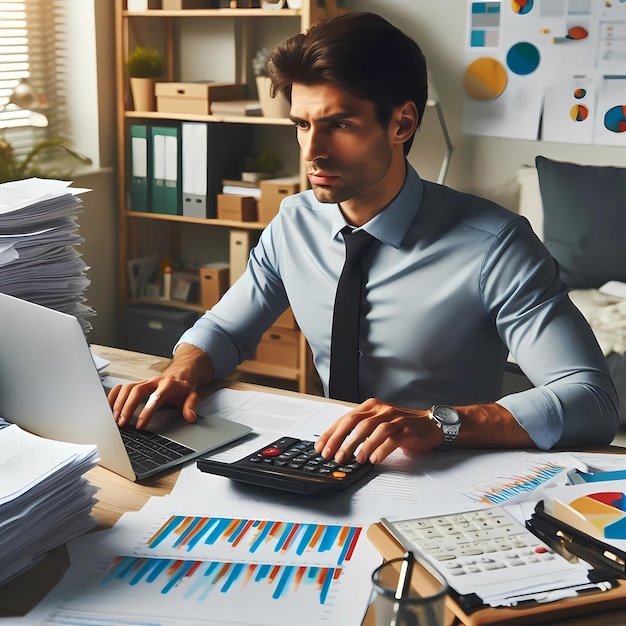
(260, 165)
(270, 107)
(51, 158)
(145, 66)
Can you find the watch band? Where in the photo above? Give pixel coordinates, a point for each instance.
(449, 421)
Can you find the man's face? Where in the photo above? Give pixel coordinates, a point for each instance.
(348, 153)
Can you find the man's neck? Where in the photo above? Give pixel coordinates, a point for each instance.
(360, 210)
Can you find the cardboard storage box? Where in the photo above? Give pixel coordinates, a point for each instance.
(143, 5)
(240, 244)
(273, 191)
(278, 347)
(156, 329)
(214, 279)
(238, 208)
(286, 320)
(194, 98)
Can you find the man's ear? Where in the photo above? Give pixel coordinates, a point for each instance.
(404, 118)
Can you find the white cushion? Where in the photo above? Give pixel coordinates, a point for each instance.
(530, 205)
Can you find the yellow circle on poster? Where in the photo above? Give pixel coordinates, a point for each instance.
(485, 79)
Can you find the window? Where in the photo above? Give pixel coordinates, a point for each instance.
(32, 48)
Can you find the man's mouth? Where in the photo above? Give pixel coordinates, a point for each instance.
(322, 178)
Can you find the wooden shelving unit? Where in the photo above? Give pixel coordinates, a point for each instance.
(144, 233)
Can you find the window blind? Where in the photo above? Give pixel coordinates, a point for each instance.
(33, 46)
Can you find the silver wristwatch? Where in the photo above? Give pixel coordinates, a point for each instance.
(448, 420)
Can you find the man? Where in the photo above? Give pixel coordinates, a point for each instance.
(451, 284)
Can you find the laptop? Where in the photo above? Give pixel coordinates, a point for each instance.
(50, 386)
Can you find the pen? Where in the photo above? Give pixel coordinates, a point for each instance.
(553, 595)
(593, 555)
(402, 588)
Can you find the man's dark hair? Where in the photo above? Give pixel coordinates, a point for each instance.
(360, 52)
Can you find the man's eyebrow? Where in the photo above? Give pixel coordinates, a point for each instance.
(335, 117)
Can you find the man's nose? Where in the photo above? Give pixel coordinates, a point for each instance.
(312, 145)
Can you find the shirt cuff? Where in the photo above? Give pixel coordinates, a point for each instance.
(538, 412)
(213, 342)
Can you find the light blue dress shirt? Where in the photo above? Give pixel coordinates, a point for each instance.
(454, 283)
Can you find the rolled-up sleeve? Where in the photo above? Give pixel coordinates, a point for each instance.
(574, 401)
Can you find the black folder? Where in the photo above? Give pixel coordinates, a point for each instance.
(563, 537)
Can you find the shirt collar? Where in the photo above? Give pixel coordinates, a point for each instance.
(392, 223)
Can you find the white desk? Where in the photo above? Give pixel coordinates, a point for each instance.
(118, 495)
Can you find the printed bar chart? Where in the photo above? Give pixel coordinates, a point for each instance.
(265, 539)
(200, 578)
(186, 568)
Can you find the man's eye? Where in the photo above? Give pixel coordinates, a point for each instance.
(301, 125)
(341, 125)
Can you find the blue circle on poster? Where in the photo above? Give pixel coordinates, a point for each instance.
(523, 58)
(615, 119)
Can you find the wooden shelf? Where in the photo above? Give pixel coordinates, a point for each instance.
(164, 217)
(142, 233)
(214, 13)
(230, 119)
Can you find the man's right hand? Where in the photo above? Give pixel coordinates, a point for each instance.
(190, 369)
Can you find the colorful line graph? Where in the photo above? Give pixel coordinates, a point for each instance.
(196, 580)
(259, 537)
(510, 487)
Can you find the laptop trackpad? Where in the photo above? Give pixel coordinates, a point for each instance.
(209, 431)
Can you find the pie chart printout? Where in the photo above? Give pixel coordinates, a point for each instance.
(606, 511)
(523, 58)
(579, 112)
(485, 79)
(615, 119)
(522, 7)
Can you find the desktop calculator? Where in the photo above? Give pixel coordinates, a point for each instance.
(479, 551)
(290, 464)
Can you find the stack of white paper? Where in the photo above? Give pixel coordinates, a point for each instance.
(45, 501)
(38, 235)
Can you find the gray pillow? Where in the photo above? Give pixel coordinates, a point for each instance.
(584, 225)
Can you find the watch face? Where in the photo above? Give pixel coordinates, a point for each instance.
(446, 414)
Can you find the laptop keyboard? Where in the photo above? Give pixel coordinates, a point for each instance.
(148, 450)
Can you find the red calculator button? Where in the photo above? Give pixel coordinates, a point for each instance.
(271, 452)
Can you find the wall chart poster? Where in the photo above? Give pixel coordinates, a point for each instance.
(547, 69)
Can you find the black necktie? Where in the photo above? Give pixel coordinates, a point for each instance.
(344, 348)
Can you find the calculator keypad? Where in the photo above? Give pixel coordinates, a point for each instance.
(292, 465)
(299, 456)
(486, 541)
